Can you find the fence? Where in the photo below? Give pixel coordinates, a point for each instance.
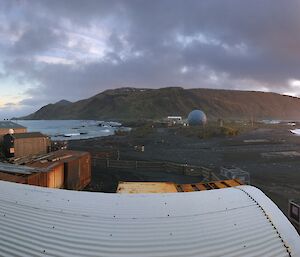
(171, 167)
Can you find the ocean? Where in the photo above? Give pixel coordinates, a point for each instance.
(71, 129)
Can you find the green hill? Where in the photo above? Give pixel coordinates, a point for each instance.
(136, 103)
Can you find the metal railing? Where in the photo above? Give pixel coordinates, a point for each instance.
(171, 167)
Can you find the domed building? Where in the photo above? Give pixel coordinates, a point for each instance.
(196, 118)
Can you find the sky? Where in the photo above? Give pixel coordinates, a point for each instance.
(73, 49)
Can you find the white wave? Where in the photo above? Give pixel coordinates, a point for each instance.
(295, 131)
(72, 134)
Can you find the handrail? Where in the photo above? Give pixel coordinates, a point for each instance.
(166, 166)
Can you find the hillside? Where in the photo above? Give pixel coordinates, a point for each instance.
(134, 103)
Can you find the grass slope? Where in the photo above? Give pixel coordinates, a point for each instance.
(133, 103)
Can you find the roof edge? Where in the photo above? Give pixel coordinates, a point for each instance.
(284, 227)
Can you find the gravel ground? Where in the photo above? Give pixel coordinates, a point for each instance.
(278, 177)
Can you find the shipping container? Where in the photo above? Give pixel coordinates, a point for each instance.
(25, 144)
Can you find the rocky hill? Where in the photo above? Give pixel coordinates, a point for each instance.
(136, 103)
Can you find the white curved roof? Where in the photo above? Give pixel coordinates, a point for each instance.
(240, 221)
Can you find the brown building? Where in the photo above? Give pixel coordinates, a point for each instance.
(77, 168)
(53, 175)
(45, 175)
(61, 169)
(25, 144)
(5, 126)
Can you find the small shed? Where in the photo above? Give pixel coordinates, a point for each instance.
(60, 169)
(65, 169)
(294, 213)
(232, 172)
(25, 144)
(75, 165)
(173, 120)
(5, 126)
(37, 174)
(16, 173)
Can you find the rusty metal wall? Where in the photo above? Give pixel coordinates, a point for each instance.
(38, 179)
(56, 176)
(72, 173)
(30, 146)
(85, 170)
(53, 178)
(13, 178)
(78, 172)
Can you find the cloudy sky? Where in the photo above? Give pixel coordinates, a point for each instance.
(73, 49)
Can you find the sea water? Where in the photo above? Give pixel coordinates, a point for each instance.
(71, 129)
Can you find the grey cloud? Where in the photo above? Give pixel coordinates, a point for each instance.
(145, 33)
(10, 104)
(35, 101)
(36, 40)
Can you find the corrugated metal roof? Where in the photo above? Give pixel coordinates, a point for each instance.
(239, 221)
(28, 135)
(51, 157)
(10, 124)
(17, 169)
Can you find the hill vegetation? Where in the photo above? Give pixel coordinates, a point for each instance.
(134, 104)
